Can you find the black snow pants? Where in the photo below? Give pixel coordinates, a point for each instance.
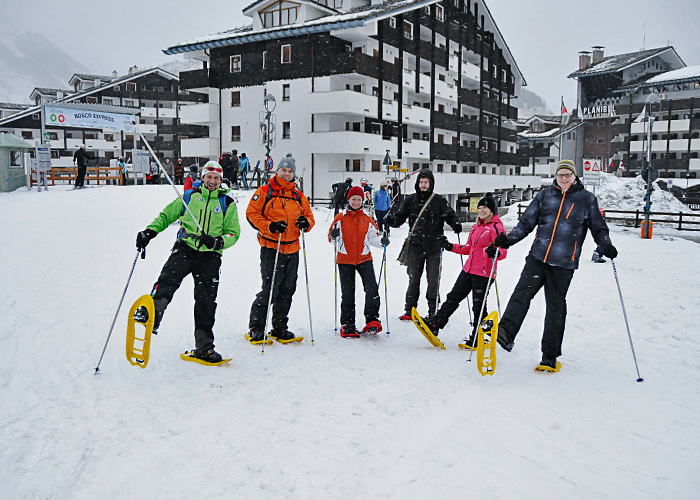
(284, 288)
(465, 283)
(417, 260)
(204, 267)
(347, 287)
(80, 177)
(556, 281)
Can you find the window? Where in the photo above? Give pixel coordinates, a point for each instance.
(54, 153)
(235, 99)
(264, 57)
(130, 103)
(92, 100)
(236, 64)
(90, 135)
(376, 166)
(356, 165)
(408, 30)
(392, 22)
(131, 87)
(286, 92)
(236, 133)
(53, 136)
(107, 100)
(26, 134)
(109, 137)
(600, 141)
(439, 12)
(286, 54)
(601, 123)
(279, 14)
(286, 130)
(15, 158)
(440, 167)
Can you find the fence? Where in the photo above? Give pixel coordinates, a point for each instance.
(635, 218)
(67, 175)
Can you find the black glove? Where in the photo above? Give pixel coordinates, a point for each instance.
(335, 232)
(458, 228)
(501, 241)
(610, 251)
(445, 243)
(211, 242)
(491, 251)
(385, 239)
(303, 223)
(278, 227)
(144, 237)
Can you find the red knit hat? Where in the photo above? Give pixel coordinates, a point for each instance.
(356, 190)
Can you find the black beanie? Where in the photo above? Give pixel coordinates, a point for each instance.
(489, 202)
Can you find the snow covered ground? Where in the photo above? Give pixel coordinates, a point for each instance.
(388, 417)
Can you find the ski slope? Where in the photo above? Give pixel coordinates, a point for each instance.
(387, 417)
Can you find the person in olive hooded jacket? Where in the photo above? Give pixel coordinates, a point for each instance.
(562, 214)
(426, 240)
(197, 253)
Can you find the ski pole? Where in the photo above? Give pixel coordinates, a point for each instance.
(308, 295)
(483, 304)
(469, 309)
(624, 313)
(335, 270)
(386, 295)
(141, 251)
(437, 297)
(272, 287)
(170, 180)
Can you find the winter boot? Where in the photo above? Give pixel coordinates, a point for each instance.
(431, 324)
(548, 362)
(505, 340)
(207, 354)
(141, 315)
(256, 336)
(406, 316)
(597, 258)
(372, 327)
(284, 336)
(349, 332)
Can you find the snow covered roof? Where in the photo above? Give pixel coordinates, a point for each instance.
(315, 3)
(12, 141)
(83, 76)
(689, 73)
(613, 64)
(48, 91)
(351, 19)
(90, 91)
(10, 105)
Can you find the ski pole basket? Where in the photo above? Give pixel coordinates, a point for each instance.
(138, 348)
(486, 350)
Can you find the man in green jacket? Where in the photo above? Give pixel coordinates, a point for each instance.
(196, 252)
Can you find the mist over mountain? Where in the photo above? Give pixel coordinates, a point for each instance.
(29, 60)
(529, 103)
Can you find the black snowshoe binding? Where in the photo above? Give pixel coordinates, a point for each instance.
(141, 315)
(207, 354)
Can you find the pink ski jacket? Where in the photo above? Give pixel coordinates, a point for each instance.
(480, 236)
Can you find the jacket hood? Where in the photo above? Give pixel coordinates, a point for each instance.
(427, 174)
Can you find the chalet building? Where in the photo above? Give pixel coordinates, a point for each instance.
(613, 91)
(153, 94)
(429, 82)
(539, 139)
(8, 108)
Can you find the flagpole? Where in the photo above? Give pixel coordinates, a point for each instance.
(561, 124)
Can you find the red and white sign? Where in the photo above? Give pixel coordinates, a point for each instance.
(591, 172)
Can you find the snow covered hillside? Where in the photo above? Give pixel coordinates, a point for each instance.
(386, 417)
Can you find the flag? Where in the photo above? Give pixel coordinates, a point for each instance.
(580, 112)
(612, 165)
(622, 166)
(563, 108)
(642, 116)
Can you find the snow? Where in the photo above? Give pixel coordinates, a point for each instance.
(385, 417)
(677, 74)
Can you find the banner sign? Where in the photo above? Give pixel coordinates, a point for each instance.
(64, 117)
(602, 111)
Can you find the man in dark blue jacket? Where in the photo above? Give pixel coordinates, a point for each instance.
(562, 213)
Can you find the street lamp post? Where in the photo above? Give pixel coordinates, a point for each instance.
(270, 105)
(648, 171)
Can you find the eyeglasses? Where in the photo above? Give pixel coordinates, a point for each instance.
(564, 176)
(215, 169)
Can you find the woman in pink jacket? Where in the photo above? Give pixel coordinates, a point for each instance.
(475, 273)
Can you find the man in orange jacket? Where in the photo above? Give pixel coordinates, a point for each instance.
(355, 231)
(279, 212)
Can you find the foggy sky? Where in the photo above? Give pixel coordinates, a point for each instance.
(544, 36)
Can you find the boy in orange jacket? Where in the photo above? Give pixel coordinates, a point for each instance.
(354, 231)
